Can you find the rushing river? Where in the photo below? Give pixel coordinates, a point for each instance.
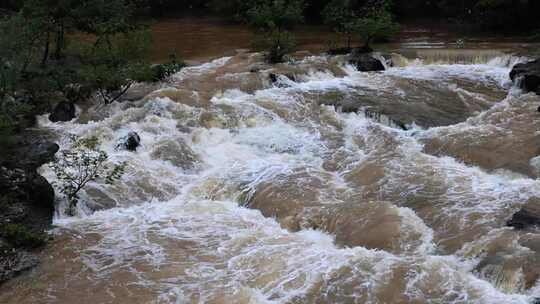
(306, 191)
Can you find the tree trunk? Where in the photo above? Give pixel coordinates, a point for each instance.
(46, 50)
(60, 42)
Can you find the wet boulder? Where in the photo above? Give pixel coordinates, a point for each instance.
(177, 152)
(365, 62)
(37, 152)
(64, 111)
(130, 142)
(529, 73)
(528, 216)
(41, 192)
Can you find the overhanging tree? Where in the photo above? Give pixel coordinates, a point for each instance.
(341, 16)
(375, 23)
(274, 19)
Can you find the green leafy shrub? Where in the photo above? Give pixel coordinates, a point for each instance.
(111, 65)
(273, 20)
(166, 70)
(277, 45)
(376, 23)
(83, 163)
(20, 236)
(340, 15)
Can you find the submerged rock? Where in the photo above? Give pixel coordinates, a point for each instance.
(529, 73)
(177, 152)
(528, 216)
(64, 111)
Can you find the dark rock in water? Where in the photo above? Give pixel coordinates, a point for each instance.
(41, 192)
(528, 216)
(64, 111)
(28, 153)
(274, 78)
(529, 73)
(365, 62)
(130, 142)
(38, 153)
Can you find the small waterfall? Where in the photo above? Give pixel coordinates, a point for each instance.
(386, 61)
(496, 58)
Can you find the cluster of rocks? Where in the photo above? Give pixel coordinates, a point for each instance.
(26, 204)
(527, 75)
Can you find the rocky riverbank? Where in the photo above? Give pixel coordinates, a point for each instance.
(27, 202)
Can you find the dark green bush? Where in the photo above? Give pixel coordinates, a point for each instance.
(273, 20)
(20, 236)
(165, 70)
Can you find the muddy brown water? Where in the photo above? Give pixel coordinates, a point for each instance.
(200, 39)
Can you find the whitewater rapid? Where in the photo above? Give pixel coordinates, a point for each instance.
(244, 191)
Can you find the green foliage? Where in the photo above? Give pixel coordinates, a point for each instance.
(277, 15)
(163, 71)
(277, 45)
(20, 236)
(340, 15)
(6, 131)
(273, 19)
(376, 23)
(110, 66)
(19, 41)
(83, 163)
(104, 18)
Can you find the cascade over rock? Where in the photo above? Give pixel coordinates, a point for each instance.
(529, 73)
(365, 62)
(527, 217)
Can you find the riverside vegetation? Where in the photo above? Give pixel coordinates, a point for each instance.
(53, 55)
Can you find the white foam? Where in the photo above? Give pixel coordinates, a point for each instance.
(168, 220)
